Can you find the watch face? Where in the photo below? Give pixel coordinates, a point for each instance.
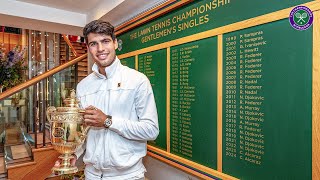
(108, 122)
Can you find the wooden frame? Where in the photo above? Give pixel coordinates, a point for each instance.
(189, 163)
(168, 99)
(219, 105)
(316, 97)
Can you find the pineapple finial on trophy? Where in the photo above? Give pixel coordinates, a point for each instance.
(71, 101)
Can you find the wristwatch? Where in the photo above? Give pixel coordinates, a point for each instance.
(107, 123)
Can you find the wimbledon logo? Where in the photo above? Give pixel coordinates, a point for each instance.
(120, 44)
(301, 18)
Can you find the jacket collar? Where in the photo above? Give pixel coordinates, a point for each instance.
(110, 70)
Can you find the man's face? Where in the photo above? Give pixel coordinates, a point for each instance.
(103, 49)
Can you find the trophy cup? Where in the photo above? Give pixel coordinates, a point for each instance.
(67, 131)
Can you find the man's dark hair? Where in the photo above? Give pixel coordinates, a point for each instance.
(99, 27)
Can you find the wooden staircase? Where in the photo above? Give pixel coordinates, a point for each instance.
(39, 169)
(21, 160)
(81, 69)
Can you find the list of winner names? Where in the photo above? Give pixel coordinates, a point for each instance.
(145, 66)
(182, 98)
(244, 99)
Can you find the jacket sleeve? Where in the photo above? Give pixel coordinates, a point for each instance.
(146, 128)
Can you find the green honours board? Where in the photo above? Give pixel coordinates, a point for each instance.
(193, 107)
(267, 102)
(236, 99)
(154, 65)
(130, 62)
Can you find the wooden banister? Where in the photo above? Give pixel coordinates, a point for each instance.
(70, 45)
(38, 78)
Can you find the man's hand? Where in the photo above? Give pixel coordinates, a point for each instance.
(94, 117)
(72, 161)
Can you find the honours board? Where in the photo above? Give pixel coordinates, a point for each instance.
(234, 98)
(130, 62)
(154, 65)
(267, 72)
(193, 97)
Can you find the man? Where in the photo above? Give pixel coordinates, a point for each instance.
(120, 108)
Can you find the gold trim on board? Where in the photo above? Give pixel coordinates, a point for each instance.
(168, 99)
(219, 105)
(316, 97)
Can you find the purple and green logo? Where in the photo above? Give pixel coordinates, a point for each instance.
(301, 18)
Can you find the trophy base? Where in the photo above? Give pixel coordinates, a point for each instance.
(64, 170)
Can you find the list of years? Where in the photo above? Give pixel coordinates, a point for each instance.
(243, 97)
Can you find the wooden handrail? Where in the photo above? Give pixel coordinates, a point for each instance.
(38, 78)
(70, 45)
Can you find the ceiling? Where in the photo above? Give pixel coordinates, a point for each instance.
(79, 6)
(69, 16)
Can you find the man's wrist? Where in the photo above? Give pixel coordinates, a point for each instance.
(108, 122)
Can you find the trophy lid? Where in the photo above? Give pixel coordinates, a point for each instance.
(71, 104)
(71, 101)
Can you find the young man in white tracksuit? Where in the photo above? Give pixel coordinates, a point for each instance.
(120, 108)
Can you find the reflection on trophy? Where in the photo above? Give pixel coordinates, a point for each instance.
(67, 132)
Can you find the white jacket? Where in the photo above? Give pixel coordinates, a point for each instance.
(127, 96)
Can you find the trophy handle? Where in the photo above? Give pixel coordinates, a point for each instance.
(86, 129)
(83, 135)
(50, 110)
